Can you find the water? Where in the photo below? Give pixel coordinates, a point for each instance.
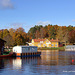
(49, 63)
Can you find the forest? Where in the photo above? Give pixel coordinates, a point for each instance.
(20, 37)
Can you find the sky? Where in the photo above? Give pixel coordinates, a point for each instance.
(28, 13)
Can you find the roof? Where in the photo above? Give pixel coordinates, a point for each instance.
(23, 46)
(2, 40)
(52, 40)
(38, 40)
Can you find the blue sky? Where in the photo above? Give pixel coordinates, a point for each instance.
(27, 13)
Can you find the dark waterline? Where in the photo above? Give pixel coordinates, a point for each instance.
(49, 63)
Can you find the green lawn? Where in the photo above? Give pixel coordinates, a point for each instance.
(47, 48)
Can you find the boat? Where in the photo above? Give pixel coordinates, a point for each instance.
(8, 55)
(25, 51)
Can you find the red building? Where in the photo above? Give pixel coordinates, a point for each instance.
(1, 46)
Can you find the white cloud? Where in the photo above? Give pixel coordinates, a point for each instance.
(6, 4)
(73, 20)
(17, 25)
(43, 23)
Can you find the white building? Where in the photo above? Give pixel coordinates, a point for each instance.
(24, 49)
(70, 48)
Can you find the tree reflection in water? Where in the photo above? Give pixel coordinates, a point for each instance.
(50, 62)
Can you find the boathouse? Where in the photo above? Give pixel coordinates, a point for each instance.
(26, 51)
(1, 46)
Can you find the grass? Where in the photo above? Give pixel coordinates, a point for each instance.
(53, 48)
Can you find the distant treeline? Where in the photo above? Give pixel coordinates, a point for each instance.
(20, 37)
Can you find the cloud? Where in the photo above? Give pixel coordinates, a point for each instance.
(43, 23)
(73, 20)
(17, 25)
(5, 4)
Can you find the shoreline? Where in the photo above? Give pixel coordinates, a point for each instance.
(58, 48)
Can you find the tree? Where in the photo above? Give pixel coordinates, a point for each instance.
(60, 34)
(52, 33)
(42, 32)
(17, 38)
(46, 35)
(72, 37)
(9, 40)
(20, 30)
(37, 34)
(5, 32)
(11, 31)
(70, 28)
(35, 31)
(20, 37)
(1, 34)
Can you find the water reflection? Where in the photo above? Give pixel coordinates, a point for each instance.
(19, 63)
(49, 57)
(1, 64)
(50, 62)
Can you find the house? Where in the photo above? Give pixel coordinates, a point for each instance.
(1, 46)
(70, 48)
(44, 43)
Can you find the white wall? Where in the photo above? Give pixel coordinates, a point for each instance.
(24, 49)
(17, 49)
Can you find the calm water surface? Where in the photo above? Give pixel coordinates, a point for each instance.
(49, 63)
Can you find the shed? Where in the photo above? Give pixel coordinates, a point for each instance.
(1, 46)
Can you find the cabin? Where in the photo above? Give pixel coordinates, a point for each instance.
(44, 43)
(1, 46)
(70, 48)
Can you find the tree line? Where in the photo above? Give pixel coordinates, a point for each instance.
(62, 33)
(20, 37)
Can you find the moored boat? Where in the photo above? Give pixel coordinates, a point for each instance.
(8, 55)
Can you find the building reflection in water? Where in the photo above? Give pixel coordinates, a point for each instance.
(50, 61)
(20, 63)
(49, 57)
(1, 63)
(17, 63)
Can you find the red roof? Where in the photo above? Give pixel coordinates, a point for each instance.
(52, 40)
(38, 40)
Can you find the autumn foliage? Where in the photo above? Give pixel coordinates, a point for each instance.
(72, 37)
(20, 37)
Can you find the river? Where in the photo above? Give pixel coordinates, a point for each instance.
(51, 62)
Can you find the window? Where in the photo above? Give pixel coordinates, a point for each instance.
(44, 45)
(41, 41)
(55, 44)
(47, 45)
(52, 45)
(46, 42)
(39, 44)
(14, 50)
